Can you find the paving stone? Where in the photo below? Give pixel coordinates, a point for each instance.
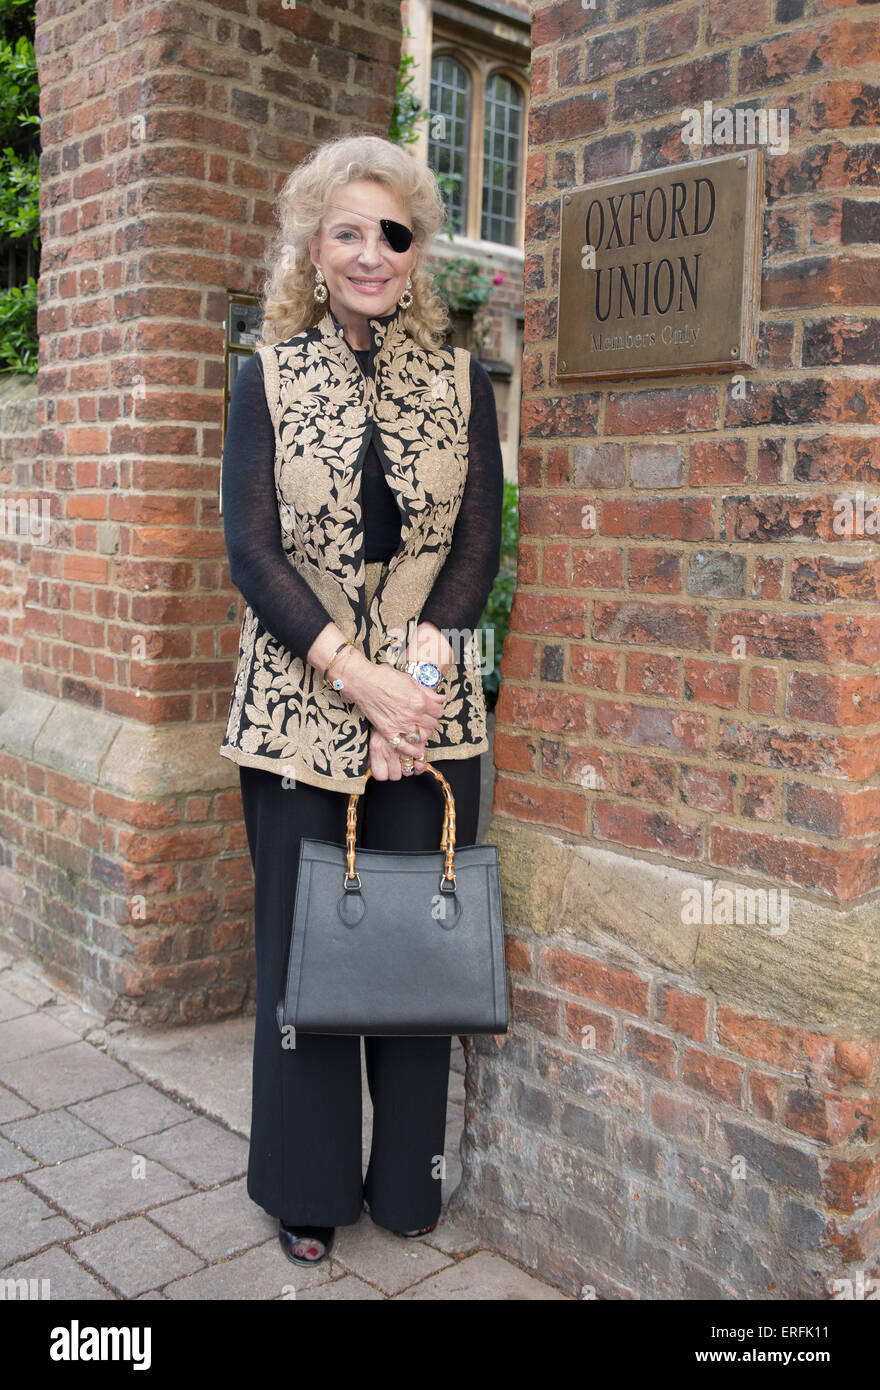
(100, 1187)
(386, 1261)
(218, 1223)
(64, 1075)
(131, 1113)
(201, 1150)
(452, 1239)
(54, 1136)
(30, 988)
(32, 1034)
(11, 1006)
(482, 1276)
(262, 1273)
(135, 1256)
(12, 1107)
(149, 1238)
(347, 1288)
(27, 1223)
(72, 1015)
(207, 1063)
(67, 1279)
(13, 1161)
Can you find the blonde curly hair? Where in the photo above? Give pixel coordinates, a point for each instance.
(288, 301)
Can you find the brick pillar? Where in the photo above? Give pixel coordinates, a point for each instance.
(166, 135)
(688, 1102)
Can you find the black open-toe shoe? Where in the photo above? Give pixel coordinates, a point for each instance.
(410, 1235)
(290, 1236)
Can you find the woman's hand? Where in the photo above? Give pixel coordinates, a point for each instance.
(384, 762)
(393, 701)
(396, 704)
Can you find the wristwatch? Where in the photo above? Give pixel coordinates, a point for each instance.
(425, 672)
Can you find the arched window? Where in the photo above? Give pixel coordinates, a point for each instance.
(448, 135)
(502, 153)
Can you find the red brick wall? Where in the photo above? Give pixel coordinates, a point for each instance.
(695, 1149)
(166, 134)
(694, 1111)
(714, 515)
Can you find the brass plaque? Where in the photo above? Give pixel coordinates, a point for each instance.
(659, 272)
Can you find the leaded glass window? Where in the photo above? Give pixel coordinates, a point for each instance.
(448, 135)
(502, 142)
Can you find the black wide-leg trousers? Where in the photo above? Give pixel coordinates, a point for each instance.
(305, 1158)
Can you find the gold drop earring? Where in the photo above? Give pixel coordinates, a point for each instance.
(320, 286)
(406, 298)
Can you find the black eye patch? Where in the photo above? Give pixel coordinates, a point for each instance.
(399, 237)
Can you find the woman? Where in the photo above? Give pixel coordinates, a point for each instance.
(362, 497)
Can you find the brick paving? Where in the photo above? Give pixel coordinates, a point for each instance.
(113, 1188)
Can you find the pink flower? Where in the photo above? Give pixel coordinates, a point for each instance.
(499, 278)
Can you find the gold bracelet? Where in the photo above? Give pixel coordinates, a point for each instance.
(336, 684)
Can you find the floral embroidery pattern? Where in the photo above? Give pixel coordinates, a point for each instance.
(324, 409)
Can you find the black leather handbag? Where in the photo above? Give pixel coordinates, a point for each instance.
(398, 942)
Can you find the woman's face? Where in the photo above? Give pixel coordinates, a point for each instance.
(365, 276)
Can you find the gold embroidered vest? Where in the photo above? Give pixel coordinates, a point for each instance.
(323, 406)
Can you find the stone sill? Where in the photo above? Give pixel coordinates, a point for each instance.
(138, 761)
(822, 973)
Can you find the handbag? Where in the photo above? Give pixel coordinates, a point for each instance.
(396, 941)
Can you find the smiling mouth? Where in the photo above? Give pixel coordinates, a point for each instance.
(362, 281)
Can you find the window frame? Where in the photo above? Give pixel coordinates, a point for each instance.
(462, 60)
(501, 70)
(481, 67)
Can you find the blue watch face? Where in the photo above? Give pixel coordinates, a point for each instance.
(427, 673)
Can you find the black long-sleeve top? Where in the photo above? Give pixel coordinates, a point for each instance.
(258, 566)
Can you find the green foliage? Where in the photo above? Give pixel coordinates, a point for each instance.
(18, 328)
(407, 111)
(496, 616)
(19, 178)
(19, 195)
(463, 283)
(16, 19)
(449, 185)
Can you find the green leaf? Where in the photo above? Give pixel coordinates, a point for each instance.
(18, 328)
(496, 615)
(19, 178)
